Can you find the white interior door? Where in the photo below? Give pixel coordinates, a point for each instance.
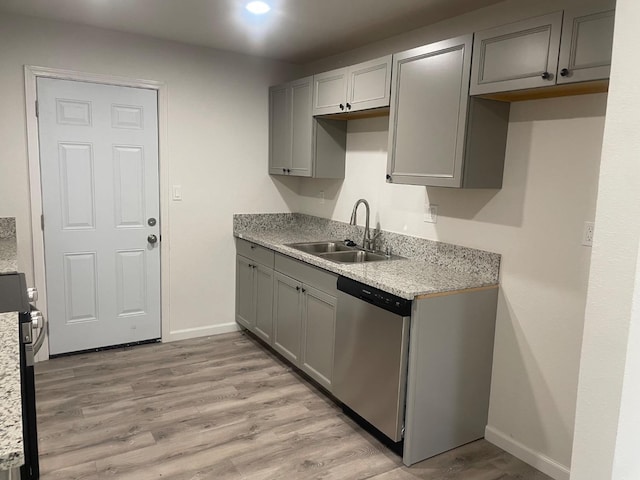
(100, 196)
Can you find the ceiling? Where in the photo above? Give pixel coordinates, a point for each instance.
(296, 31)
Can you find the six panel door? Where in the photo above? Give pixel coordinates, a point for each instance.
(99, 169)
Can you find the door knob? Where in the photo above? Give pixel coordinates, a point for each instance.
(546, 76)
(565, 72)
(152, 239)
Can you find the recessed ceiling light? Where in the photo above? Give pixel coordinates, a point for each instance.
(258, 8)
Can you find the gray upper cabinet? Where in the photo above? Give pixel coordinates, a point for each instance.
(438, 135)
(587, 42)
(279, 129)
(358, 87)
(300, 145)
(330, 92)
(290, 128)
(516, 56)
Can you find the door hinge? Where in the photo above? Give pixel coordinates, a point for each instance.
(42, 222)
(37, 109)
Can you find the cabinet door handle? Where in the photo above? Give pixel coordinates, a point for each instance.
(546, 76)
(298, 289)
(565, 72)
(284, 170)
(348, 106)
(303, 290)
(341, 107)
(288, 170)
(388, 177)
(252, 247)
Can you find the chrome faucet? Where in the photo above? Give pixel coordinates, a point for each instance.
(366, 241)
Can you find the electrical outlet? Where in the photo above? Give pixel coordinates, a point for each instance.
(587, 234)
(431, 213)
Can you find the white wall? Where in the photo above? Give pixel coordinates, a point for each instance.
(217, 142)
(535, 221)
(607, 428)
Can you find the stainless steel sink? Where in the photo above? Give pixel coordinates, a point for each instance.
(340, 253)
(320, 247)
(354, 256)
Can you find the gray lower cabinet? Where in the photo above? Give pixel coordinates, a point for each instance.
(304, 312)
(254, 289)
(318, 335)
(300, 145)
(305, 319)
(438, 135)
(287, 315)
(544, 51)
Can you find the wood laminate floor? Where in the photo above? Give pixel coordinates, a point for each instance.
(218, 408)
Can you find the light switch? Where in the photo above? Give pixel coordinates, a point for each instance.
(177, 193)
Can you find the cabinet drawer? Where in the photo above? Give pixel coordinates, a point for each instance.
(255, 252)
(307, 274)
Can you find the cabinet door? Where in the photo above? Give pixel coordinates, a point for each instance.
(263, 302)
(429, 99)
(279, 130)
(318, 335)
(330, 92)
(301, 127)
(287, 318)
(369, 84)
(245, 304)
(516, 56)
(587, 41)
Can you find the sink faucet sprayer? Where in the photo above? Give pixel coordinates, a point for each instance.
(366, 241)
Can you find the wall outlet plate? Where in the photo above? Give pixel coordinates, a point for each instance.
(587, 234)
(431, 213)
(176, 193)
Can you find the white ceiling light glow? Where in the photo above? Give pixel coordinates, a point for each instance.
(258, 7)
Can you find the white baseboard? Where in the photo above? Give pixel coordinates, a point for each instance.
(187, 333)
(535, 459)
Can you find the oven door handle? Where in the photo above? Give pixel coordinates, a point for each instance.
(37, 345)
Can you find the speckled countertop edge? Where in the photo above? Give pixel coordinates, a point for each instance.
(11, 448)
(407, 278)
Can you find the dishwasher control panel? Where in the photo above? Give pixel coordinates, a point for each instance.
(379, 298)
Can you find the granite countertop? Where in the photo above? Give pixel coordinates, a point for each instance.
(11, 449)
(431, 267)
(8, 260)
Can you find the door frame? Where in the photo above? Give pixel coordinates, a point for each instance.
(31, 75)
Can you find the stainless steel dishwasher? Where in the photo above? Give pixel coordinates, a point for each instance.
(370, 358)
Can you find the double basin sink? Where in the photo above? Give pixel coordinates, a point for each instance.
(340, 253)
